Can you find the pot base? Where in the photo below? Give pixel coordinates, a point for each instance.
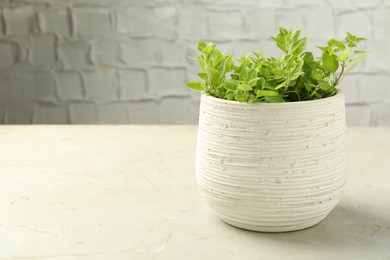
(271, 229)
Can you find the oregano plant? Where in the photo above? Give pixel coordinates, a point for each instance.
(296, 75)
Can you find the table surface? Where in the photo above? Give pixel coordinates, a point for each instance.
(129, 192)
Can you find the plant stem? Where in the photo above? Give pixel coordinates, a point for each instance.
(337, 81)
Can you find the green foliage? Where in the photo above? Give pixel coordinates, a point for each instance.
(294, 76)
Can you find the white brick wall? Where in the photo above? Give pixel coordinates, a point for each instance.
(125, 61)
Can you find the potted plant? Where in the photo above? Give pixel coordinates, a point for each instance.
(271, 148)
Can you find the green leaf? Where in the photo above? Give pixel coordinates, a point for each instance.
(307, 57)
(252, 74)
(281, 85)
(230, 96)
(361, 39)
(360, 52)
(343, 56)
(230, 84)
(243, 74)
(337, 43)
(239, 97)
(329, 63)
(195, 85)
(324, 85)
(278, 72)
(244, 87)
(266, 93)
(209, 49)
(283, 31)
(202, 63)
(281, 43)
(201, 45)
(299, 46)
(351, 40)
(251, 98)
(274, 99)
(295, 35)
(202, 75)
(316, 75)
(221, 65)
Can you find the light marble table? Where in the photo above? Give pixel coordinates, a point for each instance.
(129, 192)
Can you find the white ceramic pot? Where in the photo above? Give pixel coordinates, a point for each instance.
(272, 167)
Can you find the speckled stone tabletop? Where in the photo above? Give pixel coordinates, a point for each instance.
(129, 192)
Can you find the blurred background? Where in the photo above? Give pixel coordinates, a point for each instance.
(125, 61)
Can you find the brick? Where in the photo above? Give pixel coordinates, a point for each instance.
(358, 115)
(18, 112)
(174, 53)
(11, 89)
(43, 51)
(83, 113)
(137, 20)
(165, 81)
(75, 55)
(351, 89)
(19, 20)
(166, 22)
(195, 95)
(374, 88)
(193, 69)
(8, 53)
(57, 21)
(192, 22)
(342, 6)
(91, 21)
(106, 52)
(133, 84)
(23, 41)
(165, 2)
(70, 86)
(144, 112)
(259, 23)
(381, 115)
(241, 47)
(193, 117)
(148, 21)
(272, 3)
(115, 113)
(225, 25)
(229, 4)
(366, 3)
(2, 25)
(2, 113)
(100, 85)
(269, 48)
(138, 52)
(357, 23)
(174, 110)
(290, 19)
(319, 23)
(378, 59)
(381, 18)
(50, 114)
(302, 3)
(40, 85)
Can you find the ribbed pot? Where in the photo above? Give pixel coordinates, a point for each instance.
(272, 167)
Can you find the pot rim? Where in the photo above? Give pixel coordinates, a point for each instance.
(339, 94)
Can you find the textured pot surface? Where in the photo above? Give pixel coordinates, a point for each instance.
(272, 167)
